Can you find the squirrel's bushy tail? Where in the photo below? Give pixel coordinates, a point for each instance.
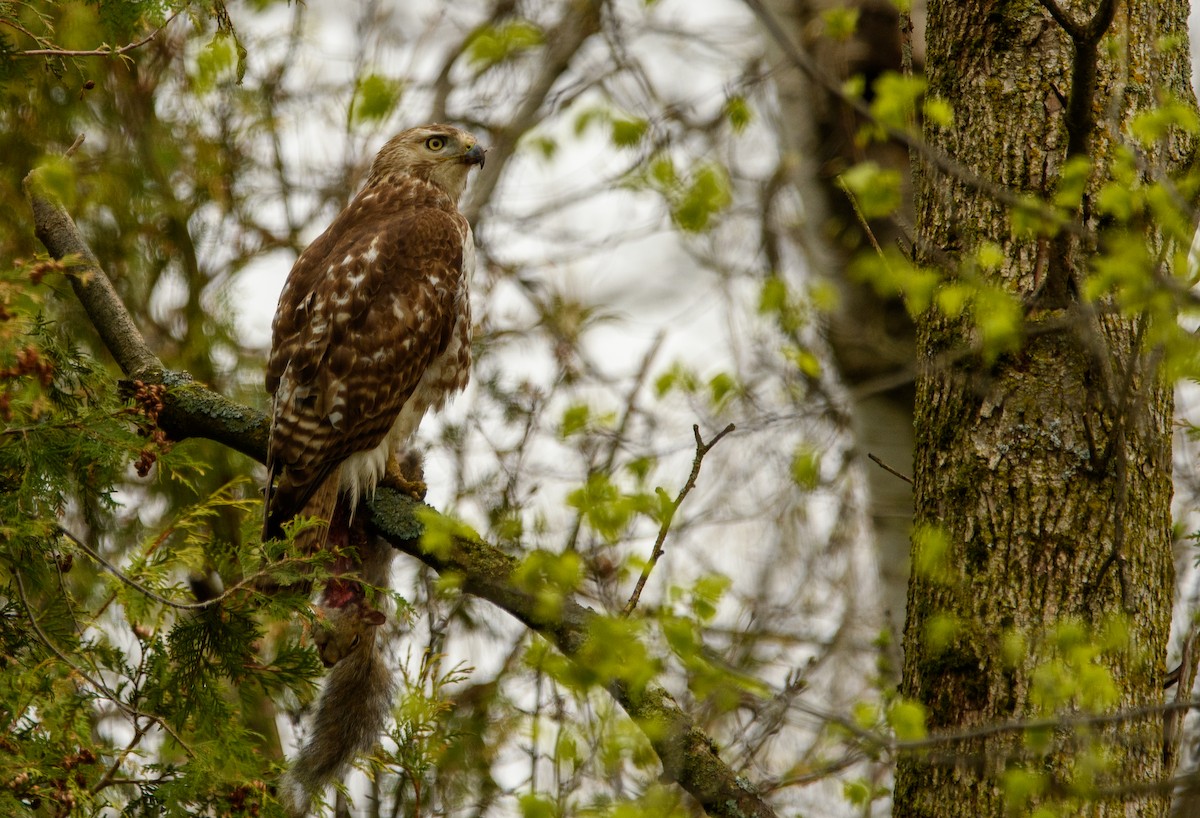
(350, 717)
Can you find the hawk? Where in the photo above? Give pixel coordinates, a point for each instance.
(372, 328)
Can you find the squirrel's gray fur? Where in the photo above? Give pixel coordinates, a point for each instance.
(357, 698)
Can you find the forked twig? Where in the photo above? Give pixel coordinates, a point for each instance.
(702, 449)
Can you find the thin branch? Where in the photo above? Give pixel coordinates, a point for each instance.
(618, 434)
(878, 462)
(702, 449)
(128, 710)
(876, 742)
(862, 219)
(54, 227)
(103, 51)
(76, 145)
(137, 586)
(579, 21)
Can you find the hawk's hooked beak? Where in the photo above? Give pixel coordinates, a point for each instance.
(474, 156)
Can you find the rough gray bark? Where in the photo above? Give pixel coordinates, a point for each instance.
(1048, 469)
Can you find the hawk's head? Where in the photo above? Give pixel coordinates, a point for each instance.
(439, 154)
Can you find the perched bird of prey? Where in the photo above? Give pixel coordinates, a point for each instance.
(372, 328)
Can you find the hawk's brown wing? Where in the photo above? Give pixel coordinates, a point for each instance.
(365, 310)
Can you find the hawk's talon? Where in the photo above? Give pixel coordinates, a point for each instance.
(414, 487)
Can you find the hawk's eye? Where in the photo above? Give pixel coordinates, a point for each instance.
(435, 143)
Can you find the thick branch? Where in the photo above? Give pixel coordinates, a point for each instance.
(189, 409)
(688, 755)
(55, 229)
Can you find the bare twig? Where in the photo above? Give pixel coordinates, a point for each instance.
(878, 462)
(76, 145)
(702, 449)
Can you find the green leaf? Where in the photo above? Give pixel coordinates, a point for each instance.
(662, 172)
(931, 553)
(989, 255)
(953, 298)
(707, 593)
(895, 101)
(375, 98)
(546, 146)
(56, 174)
(739, 113)
(607, 509)
(720, 387)
(495, 44)
(1117, 200)
(840, 22)
(550, 577)
(535, 806)
(854, 86)
(875, 189)
(773, 296)
(940, 632)
(1000, 320)
(1114, 636)
(1072, 182)
(907, 720)
(938, 112)
(216, 62)
(1014, 647)
(707, 195)
(627, 133)
(575, 419)
(805, 361)
(857, 792)
(79, 27)
(806, 468)
(865, 715)
(1021, 786)
(1098, 690)
(439, 531)
(678, 376)
(1153, 125)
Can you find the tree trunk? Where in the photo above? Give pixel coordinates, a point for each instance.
(1047, 469)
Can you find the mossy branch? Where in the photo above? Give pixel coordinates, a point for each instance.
(688, 755)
